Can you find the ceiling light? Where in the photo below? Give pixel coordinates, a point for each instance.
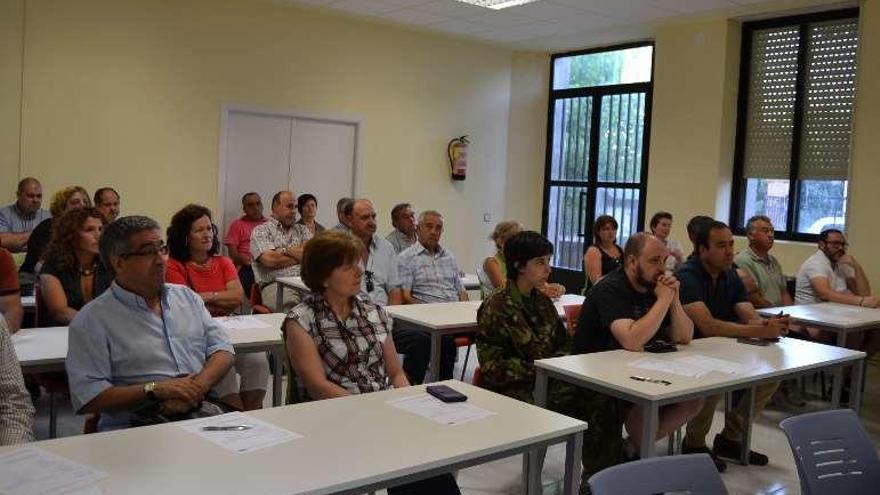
(497, 4)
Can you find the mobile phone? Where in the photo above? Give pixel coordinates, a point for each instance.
(445, 393)
(659, 346)
(754, 341)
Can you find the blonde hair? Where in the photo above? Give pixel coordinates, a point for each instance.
(503, 231)
(60, 199)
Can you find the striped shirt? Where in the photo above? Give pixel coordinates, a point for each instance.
(430, 277)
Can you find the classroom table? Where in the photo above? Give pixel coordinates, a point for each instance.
(349, 445)
(44, 349)
(468, 280)
(611, 373)
(453, 318)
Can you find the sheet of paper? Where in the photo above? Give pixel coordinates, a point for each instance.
(32, 471)
(430, 407)
(242, 322)
(670, 366)
(713, 364)
(260, 435)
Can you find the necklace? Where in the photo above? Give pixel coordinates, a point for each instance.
(87, 272)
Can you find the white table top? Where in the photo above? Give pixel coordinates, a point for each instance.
(469, 281)
(611, 369)
(48, 345)
(834, 315)
(456, 314)
(335, 453)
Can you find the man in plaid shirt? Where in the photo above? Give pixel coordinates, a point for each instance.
(16, 409)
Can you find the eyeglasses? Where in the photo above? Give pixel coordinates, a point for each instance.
(150, 251)
(370, 285)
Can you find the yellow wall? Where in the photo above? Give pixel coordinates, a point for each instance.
(11, 33)
(129, 93)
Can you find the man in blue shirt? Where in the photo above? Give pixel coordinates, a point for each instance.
(142, 339)
(714, 297)
(20, 218)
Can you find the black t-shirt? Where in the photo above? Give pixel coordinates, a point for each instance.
(720, 297)
(612, 298)
(36, 246)
(72, 284)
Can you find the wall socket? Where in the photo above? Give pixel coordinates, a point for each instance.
(487, 217)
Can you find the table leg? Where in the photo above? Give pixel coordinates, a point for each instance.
(534, 465)
(279, 297)
(573, 446)
(436, 347)
(650, 418)
(855, 385)
(278, 359)
(540, 387)
(837, 387)
(749, 398)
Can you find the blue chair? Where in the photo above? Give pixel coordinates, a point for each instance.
(833, 453)
(693, 473)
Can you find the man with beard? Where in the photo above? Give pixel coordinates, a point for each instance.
(833, 275)
(714, 297)
(759, 270)
(628, 308)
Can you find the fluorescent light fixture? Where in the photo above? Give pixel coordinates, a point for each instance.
(497, 4)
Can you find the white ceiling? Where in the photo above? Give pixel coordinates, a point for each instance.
(542, 25)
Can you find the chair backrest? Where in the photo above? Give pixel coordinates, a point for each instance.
(486, 286)
(833, 453)
(693, 473)
(477, 380)
(256, 300)
(572, 313)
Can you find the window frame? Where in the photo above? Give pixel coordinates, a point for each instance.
(738, 190)
(592, 184)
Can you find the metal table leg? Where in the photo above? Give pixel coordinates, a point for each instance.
(855, 385)
(650, 419)
(277, 357)
(436, 347)
(573, 446)
(749, 398)
(279, 297)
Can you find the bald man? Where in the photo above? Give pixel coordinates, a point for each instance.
(19, 219)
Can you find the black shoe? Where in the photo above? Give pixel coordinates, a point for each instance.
(731, 450)
(720, 465)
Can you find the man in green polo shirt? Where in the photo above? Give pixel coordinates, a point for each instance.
(760, 271)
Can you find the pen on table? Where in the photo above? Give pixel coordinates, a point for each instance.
(650, 380)
(227, 428)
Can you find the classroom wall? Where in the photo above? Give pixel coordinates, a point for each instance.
(129, 92)
(11, 32)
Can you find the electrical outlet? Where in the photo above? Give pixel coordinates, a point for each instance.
(487, 217)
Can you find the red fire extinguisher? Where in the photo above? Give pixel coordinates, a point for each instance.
(457, 152)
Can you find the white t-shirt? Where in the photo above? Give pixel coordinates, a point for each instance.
(818, 265)
(672, 245)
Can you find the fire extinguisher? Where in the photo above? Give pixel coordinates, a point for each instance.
(457, 152)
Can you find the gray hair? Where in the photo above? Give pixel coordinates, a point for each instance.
(344, 206)
(750, 224)
(115, 238)
(429, 213)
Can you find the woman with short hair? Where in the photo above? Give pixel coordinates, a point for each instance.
(307, 204)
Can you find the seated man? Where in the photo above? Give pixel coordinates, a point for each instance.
(16, 408)
(429, 274)
(20, 218)
(10, 295)
(276, 249)
(107, 203)
(833, 275)
(343, 211)
(142, 339)
(404, 221)
(715, 299)
(759, 270)
(238, 238)
(627, 309)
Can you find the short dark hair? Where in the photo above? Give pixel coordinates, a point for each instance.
(695, 225)
(247, 195)
(24, 182)
(635, 244)
(398, 208)
(303, 199)
(660, 215)
(326, 252)
(823, 236)
(178, 231)
(100, 192)
(704, 233)
(523, 246)
(602, 221)
(344, 206)
(115, 237)
(276, 198)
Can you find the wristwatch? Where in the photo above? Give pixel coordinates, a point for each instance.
(150, 390)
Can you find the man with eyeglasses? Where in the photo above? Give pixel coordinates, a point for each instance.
(142, 340)
(833, 275)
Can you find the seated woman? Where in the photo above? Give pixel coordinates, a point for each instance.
(495, 266)
(661, 227)
(604, 256)
(69, 198)
(307, 204)
(193, 261)
(72, 273)
(332, 323)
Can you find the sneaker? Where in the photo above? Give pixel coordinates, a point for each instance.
(720, 465)
(731, 450)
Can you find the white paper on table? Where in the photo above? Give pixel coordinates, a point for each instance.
(451, 413)
(260, 435)
(713, 364)
(668, 366)
(244, 322)
(32, 471)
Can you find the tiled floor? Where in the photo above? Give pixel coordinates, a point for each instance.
(503, 476)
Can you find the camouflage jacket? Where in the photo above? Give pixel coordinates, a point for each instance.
(514, 331)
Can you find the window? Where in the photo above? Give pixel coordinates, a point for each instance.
(597, 147)
(797, 91)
